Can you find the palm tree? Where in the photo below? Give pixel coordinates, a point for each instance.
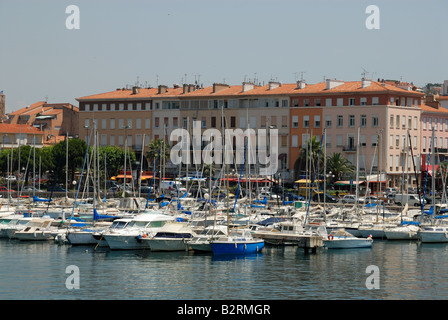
(339, 166)
(158, 149)
(311, 152)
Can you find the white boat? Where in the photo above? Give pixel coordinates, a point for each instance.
(433, 233)
(10, 230)
(8, 222)
(37, 230)
(287, 233)
(239, 241)
(341, 239)
(89, 235)
(404, 232)
(374, 230)
(173, 236)
(201, 241)
(143, 225)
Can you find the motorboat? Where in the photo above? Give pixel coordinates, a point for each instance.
(239, 241)
(201, 241)
(143, 225)
(173, 236)
(88, 235)
(287, 233)
(402, 232)
(37, 229)
(433, 233)
(341, 239)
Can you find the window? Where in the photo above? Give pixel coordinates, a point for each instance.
(339, 140)
(130, 107)
(429, 124)
(87, 107)
(398, 122)
(103, 123)
(95, 107)
(363, 140)
(375, 101)
(416, 123)
(139, 106)
(306, 121)
(147, 123)
(112, 123)
(424, 144)
(409, 122)
(295, 141)
(327, 121)
(295, 103)
(263, 122)
(120, 123)
(424, 123)
(156, 122)
(233, 122)
(120, 140)
(340, 121)
(138, 123)
(86, 122)
(306, 102)
(391, 141)
(295, 121)
(363, 120)
(317, 102)
(340, 102)
(284, 142)
(284, 103)
(129, 123)
(328, 142)
(316, 121)
(147, 106)
(363, 101)
(391, 121)
(284, 121)
(274, 121)
(121, 106)
(391, 162)
(213, 122)
(203, 122)
(351, 101)
(112, 140)
(328, 102)
(305, 138)
(351, 120)
(375, 121)
(103, 139)
(243, 122)
(112, 107)
(374, 140)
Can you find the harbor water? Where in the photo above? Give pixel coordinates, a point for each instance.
(404, 270)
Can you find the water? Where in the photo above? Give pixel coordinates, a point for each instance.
(407, 270)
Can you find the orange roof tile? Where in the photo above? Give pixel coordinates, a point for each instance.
(427, 108)
(237, 90)
(18, 128)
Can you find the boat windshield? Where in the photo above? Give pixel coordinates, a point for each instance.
(137, 224)
(156, 224)
(118, 224)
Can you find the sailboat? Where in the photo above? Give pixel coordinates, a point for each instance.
(238, 240)
(341, 239)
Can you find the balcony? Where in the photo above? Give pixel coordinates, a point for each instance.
(349, 148)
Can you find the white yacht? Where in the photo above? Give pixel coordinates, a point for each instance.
(142, 226)
(341, 239)
(433, 233)
(403, 232)
(173, 236)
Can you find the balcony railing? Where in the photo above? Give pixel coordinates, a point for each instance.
(349, 148)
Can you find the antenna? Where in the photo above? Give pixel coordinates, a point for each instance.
(364, 72)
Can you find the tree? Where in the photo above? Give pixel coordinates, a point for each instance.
(156, 151)
(311, 152)
(114, 159)
(76, 155)
(339, 166)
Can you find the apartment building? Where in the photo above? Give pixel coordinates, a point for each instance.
(383, 113)
(14, 135)
(358, 113)
(56, 120)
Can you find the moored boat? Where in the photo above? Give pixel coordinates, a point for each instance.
(341, 239)
(239, 241)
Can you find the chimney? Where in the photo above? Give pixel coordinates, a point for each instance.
(274, 84)
(219, 87)
(333, 83)
(301, 84)
(162, 89)
(365, 82)
(247, 86)
(186, 88)
(135, 90)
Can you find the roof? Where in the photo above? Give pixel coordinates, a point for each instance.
(427, 108)
(18, 128)
(237, 91)
(42, 107)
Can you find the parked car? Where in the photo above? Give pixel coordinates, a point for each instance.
(56, 189)
(268, 195)
(4, 189)
(31, 189)
(145, 189)
(328, 198)
(292, 197)
(11, 178)
(410, 199)
(351, 198)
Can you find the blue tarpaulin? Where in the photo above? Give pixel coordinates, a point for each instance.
(37, 199)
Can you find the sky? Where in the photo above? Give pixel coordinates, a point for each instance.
(152, 42)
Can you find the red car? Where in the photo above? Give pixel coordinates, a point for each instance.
(4, 189)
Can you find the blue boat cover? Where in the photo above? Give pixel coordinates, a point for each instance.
(37, 199)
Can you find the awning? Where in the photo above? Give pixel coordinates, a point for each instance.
(306, 181)
(347, 183)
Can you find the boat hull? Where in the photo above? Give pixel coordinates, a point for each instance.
(348, 243)
(34, 236)
(401, 235)
(221, 247)
(167, 244)
(125, 242)
(433, 237)
(81, 238)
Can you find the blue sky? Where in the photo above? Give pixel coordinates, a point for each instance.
(173, 41)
